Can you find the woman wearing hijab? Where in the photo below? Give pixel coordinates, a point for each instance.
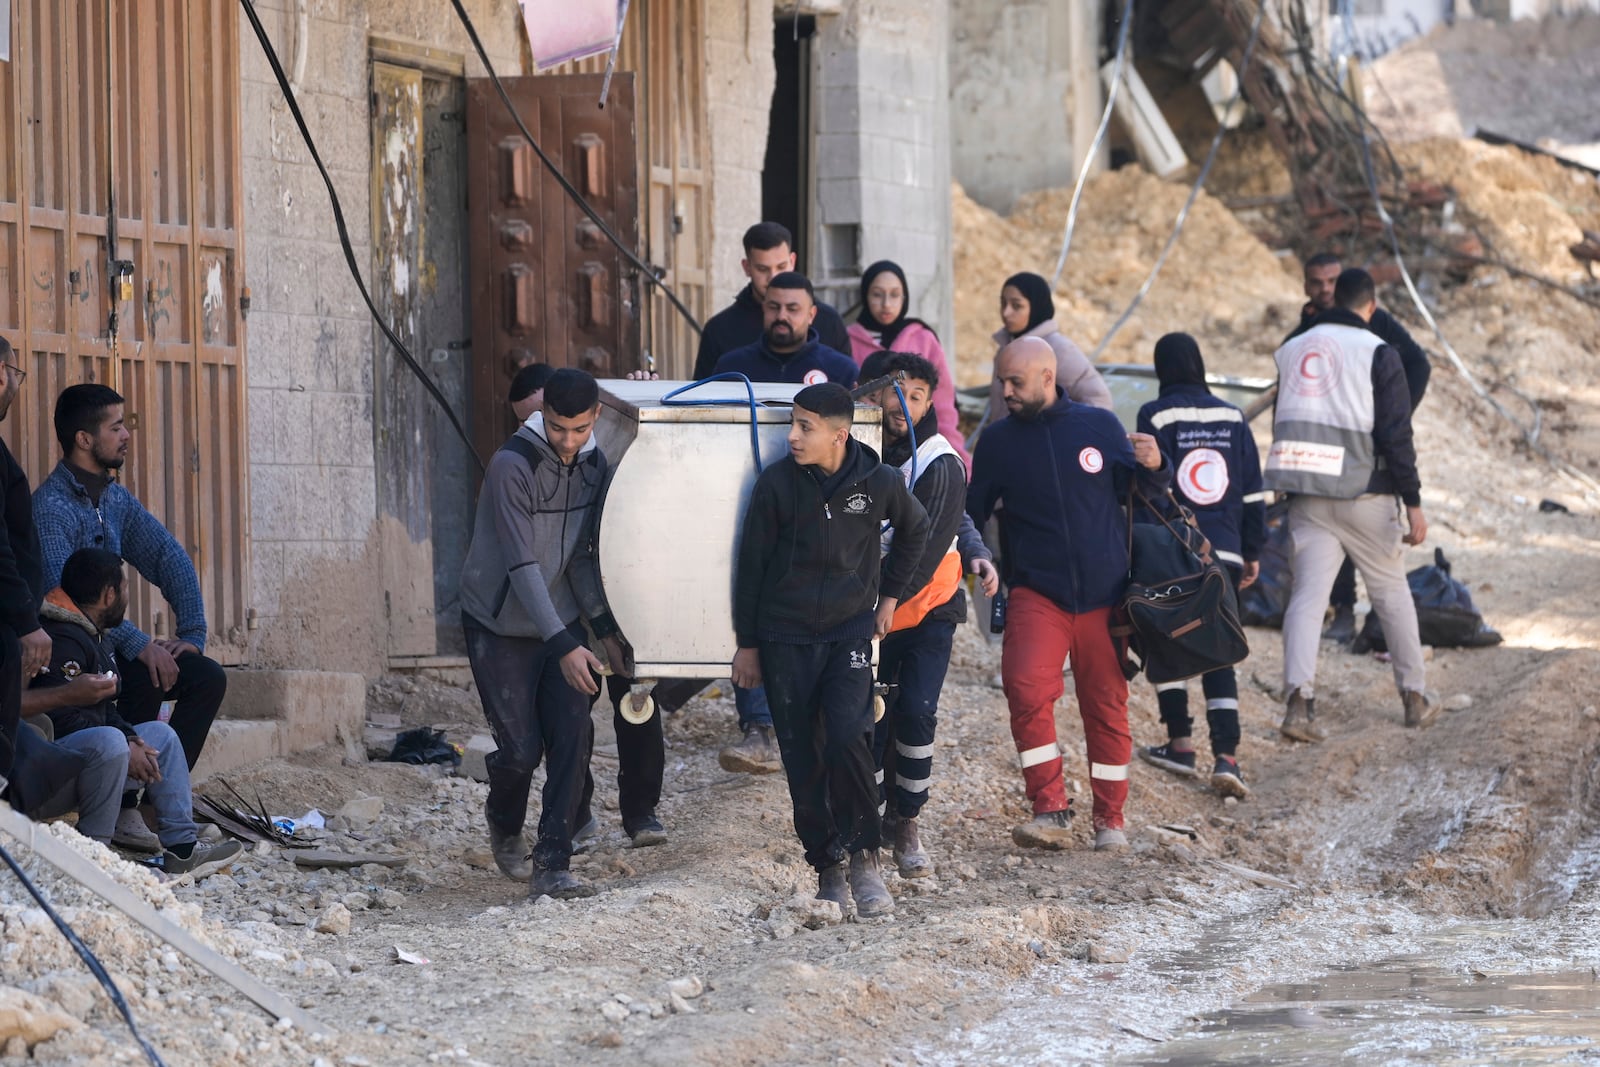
(1217, 474)
(1026, 310)
(884, 325)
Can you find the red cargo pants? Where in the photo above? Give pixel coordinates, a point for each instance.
(1039, 637)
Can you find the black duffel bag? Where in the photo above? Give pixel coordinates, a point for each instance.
(1180, 614)
(1446, 616)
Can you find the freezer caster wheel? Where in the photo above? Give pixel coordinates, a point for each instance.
(637, 708)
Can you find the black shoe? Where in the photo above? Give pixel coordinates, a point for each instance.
(646, 832)
(1170, 759)
(511, 854)
(583, 838)
(1226, 778)
(1342, 628)
(562, 885)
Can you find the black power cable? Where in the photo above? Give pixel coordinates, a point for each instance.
(568, 187)
(90, 960)
(344, 233)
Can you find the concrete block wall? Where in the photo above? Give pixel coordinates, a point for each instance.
(882, 162)
(739, 79)
(315, 579)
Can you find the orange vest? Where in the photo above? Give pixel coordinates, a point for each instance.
(947, 577)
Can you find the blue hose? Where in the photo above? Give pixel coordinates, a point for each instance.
(725, 376)
(911, 431)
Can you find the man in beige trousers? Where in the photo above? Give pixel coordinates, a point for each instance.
(1342, 449)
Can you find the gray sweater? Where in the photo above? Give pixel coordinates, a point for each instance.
(531, 571)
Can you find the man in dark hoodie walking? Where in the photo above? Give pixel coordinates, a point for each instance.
(528, 582)
(809, 599)
(1218, 476)
(1341, 444)
(1058, 472)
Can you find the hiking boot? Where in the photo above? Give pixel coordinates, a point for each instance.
(132, 833)
(1420, 711)
(646, 832)
(562, 885)
(1048, 829)
(583, 838)
(908, 854)
(866, 885)
(1342, 627)
(511, 854)
(754, 753)
(1109, 840)
(1300, 719)
(202, 859)
(831, 885)
(1226, 779)
(1170, 759)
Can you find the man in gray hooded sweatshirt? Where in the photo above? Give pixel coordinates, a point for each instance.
(529, 581)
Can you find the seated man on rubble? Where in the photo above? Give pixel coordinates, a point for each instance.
(79, 616)
(83, 505)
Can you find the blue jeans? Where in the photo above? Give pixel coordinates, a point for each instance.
(106, 749)
(752, 705)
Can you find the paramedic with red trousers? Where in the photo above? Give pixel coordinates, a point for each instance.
(1057, 474)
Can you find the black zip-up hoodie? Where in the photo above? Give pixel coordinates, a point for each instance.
(809, 565)
(78, 647)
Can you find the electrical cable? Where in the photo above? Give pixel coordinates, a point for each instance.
(1194, 190)
(567, 187)
(1529, 436)
(344, 233)
(1094, 145)
(90, 960)
(670, 400)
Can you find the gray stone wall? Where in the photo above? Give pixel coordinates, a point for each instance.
(882, 161)
(315, 556)
(739, 80)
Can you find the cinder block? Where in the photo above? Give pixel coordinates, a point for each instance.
(313, 708)
(235, 743)
(476, 752)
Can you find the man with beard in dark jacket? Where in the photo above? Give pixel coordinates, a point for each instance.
(913, 658)
(1321, 274)
(809, 598)
(768, 252)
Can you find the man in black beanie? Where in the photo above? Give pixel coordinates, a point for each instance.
(808, 603)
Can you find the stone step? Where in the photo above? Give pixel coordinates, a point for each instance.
(235, 743)
(267, 714)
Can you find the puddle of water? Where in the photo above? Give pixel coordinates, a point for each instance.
(1405, 1010)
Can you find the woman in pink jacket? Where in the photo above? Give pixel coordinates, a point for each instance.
(1028, 310)
(883, 325)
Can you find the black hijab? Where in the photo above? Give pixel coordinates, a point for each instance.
(886, 334)
(1178, 363)
(1036, 291)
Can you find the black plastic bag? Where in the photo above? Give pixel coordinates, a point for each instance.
(1446, 617)
(1264, 602)
(422, 746)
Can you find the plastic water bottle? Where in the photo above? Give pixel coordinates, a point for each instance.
(997, 613)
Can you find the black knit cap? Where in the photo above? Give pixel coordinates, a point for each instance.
(828, 399)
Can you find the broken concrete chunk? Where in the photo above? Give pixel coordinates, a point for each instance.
(31, 1018)
(361, 812)
(688, 987)
(335, 919)
(474, 757)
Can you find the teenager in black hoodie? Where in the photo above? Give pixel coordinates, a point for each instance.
(808, 602)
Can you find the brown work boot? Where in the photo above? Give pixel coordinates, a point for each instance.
(1047, 829)
(908, 854)
(1300, 719)
(831, 886)
(754, 753)
(1420, 711)
(866, 885)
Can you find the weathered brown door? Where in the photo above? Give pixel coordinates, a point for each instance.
(126, 114)
(547, 286)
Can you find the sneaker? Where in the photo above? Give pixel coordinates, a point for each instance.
(562, 885)
(1342, 627)
(511, 854)
(646, 832)
(583, 837)
(831, 885)
(866, 885)
(1300, 719)
(909, 856)
(132, 834)
(203, 858)
(1109, 840)
(754, 753)
(1048, 829)
(1420, 710)
(1170, 759)
(1226, 779)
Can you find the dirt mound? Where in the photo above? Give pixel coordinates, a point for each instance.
(1221, 283)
